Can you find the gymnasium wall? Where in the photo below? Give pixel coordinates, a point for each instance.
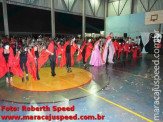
(132, 24)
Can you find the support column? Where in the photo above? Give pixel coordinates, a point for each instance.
(52, 19)
(148, 5)
(83, 20)
(132, 6)
(106, 15)
(119, 8)
(5, 17)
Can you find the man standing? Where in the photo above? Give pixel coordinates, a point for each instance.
(108, 50)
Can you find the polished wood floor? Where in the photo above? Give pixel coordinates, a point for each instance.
(61, 81)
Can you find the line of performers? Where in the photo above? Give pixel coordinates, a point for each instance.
(31, 60)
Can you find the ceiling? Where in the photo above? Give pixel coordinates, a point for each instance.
(113, 1)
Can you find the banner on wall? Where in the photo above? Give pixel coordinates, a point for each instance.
(145, 40)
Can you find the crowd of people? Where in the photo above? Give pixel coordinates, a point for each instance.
(30, 54)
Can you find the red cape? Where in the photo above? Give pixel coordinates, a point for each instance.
(131, 44)
(88, 52)
(41, 61)
(12, 43)
(116, 46)
(60, 52)
(43, 58)
(4, 67)
(73, 50)
(138, 48)
(51, 49)
(30, 64)
(121, 48)
(135, 52)
(126, 48)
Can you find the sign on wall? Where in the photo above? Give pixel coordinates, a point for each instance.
(154, 17)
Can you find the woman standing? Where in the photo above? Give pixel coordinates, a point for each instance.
(6, 62)
(69, 50)
(96, 59)
(36, 52)
(24, 55)
(53, 50)
(85, 52)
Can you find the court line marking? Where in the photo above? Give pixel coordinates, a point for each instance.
(126, 109)
(115, 104)
(133, 74)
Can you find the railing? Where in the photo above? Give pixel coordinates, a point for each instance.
(36, 33)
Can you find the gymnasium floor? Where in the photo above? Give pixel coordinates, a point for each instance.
(127, 97)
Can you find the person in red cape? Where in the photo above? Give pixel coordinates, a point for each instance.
(33, 64)
(135, 51)
(105, 49)
(116, 46)
(139, 54)
(130, 52)
(36, 52)
(7, 63)
(60, 52)
(85, 52)
(69, 50)
(19, 44)
(120, 50)
(24, 59)
(6, 39)
(41, 55)
(126, 49)
(54, 50)
(13, 44)
(123, 48)
(132, 44)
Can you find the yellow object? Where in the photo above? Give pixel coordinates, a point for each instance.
(61, 81)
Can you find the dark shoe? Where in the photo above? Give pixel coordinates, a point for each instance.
(38, 78)
(27, 78)
(53, 75)
(22, 79)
